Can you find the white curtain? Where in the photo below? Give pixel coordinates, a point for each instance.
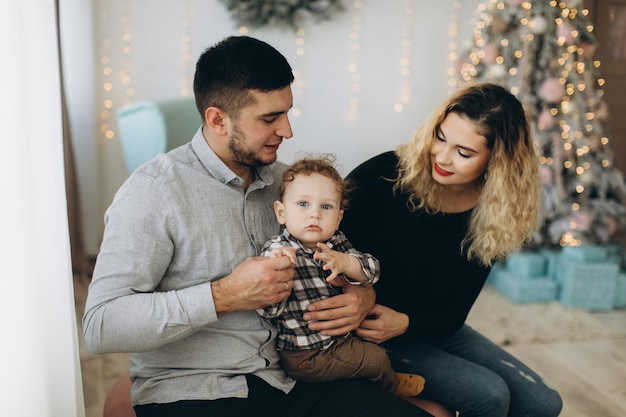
(40, 372)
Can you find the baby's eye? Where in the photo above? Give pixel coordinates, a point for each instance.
(327, 206)
(303, 203)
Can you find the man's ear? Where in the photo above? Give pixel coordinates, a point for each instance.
(279, 209)
(216, 120)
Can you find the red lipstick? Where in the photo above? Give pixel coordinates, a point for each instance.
(441, 171)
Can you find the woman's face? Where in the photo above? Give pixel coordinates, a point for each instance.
(459, 155)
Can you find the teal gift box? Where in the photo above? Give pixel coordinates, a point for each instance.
(589, 285)
(495, 269)
(552, 261)
(585, 253)
(619, 301)
(526, 264)
(572, 269)
(523, 290)
(615, 254)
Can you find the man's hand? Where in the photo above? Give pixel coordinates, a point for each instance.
(342, 313)
(257, 282)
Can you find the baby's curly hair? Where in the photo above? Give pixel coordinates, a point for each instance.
(323, 164)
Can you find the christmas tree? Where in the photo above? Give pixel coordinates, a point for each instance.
(542, 51)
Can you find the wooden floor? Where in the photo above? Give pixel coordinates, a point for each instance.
(590, 376)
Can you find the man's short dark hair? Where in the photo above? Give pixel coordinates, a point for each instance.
(228, 70)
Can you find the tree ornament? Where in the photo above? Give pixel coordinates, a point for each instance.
(564, 31)
(538, 25)
(490, 53)
(545, 120)
(552, 90)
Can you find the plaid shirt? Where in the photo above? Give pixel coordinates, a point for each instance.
(310, 285)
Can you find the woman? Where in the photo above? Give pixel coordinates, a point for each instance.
(437, 213)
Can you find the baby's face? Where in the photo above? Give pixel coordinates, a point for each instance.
(311, 208)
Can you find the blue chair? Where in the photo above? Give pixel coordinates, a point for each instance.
(147, 128)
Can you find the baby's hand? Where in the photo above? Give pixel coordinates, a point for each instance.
(288, 251)
(333, 261)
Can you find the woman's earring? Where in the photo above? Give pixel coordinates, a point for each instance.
(485, 176)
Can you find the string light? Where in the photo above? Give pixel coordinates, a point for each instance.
(127, 50)
(405, 61)
(453, 46)
(353, 67)
(106, 103)
(185, 51)
(298, 82)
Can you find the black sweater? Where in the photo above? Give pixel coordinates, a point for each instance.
(423, 273)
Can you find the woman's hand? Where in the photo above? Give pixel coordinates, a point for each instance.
(343, 313)
(382, 324)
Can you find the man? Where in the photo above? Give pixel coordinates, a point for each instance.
(177, 280)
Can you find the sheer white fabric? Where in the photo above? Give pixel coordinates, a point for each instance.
(39, 347)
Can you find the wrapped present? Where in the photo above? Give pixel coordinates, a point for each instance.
(573, 269)
(523, 290)
(614, 249)
(615, 254)
(619, 301)
(585, 253)
(552, 261)
(526, 264)
(587, 285)
(495, 269)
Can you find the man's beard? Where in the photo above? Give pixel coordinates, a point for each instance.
(240, 154)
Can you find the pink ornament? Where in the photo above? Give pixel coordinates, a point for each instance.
(611, 225)
(545, 120)
(564, 30)
(545, 174)
(551, 90)
(582, 220)
(491, 52)
(588, 49)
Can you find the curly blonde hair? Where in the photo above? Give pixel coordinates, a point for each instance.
(506, 214)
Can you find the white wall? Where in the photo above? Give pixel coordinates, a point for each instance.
(156, 68)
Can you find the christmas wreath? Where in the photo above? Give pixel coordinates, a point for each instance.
(257, 13)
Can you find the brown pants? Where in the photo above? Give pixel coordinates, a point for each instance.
(347, 358)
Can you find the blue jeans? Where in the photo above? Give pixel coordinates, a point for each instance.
(468, 373)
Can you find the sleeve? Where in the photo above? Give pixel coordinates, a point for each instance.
(125, 310)
(369, 264)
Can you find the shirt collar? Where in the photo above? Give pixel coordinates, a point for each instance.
(295, 242)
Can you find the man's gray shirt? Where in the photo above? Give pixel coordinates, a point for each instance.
(179, 222)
